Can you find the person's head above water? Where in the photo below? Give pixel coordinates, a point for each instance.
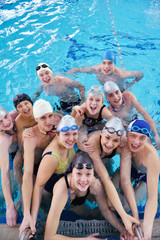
(95, 90)
(114, 126)
(66, 123)
(43, 66)
(20, 98)
(41, 107)
(108, 55)
(81, 160)
(110, 87)
(139, 126)
(6, 121)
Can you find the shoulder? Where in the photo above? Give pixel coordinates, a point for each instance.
(5, 139)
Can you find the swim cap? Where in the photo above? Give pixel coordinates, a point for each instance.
(114, 125)
(109, 56)
(20, 98)
(43, 66)
(139, 126)
(66, 123)
(80, 159)
(3, 111)
(110, 87)
(95, 91)
(41, 107)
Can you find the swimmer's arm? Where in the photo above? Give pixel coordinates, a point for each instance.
(97, 190)
(153, 167)
(106, 114)
(38, 92)
(27, 185)
(47, 167)
(125, 180)
(81, 89)
(147, 117)
(11, 214)
(89, 69)
(137, 75)
(57, 205)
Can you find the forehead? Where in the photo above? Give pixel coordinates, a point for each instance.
(136, 134)
(93, 96)
(46, 115)
(106, 61)
(43, 71)
(22, 102)
(113, 136)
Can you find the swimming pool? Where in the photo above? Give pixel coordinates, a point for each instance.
(75, 33)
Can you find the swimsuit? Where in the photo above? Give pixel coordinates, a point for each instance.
(91, 122)
(78, 200)
(61, 170)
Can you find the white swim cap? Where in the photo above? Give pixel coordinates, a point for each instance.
(43, 66)
(114, 125)
(41, 107)
(110, 87)
(66, 123)
(3, 111)
(95, 91)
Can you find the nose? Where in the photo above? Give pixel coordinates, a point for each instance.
(110, 143)
(136, 141)
(83, 178)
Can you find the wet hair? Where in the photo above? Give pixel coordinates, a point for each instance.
(20, 98)
(82, 158)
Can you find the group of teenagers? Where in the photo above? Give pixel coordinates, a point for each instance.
(65, 155)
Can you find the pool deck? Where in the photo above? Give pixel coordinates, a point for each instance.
(7, 233)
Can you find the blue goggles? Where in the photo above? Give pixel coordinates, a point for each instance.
(140, 130)
(66, 128)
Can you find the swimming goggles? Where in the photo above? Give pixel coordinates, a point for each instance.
(42, 66)
(66, 129)
(138, 129)
(99, 92)
(82, 165)
(112, 130)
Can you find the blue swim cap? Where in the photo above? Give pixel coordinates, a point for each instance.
(109, 56)
(139, 126)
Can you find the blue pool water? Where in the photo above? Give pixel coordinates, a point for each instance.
(75, 33)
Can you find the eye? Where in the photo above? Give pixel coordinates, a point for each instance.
(51, 115)
(116, 140)
(110, 95)
(143, 138)
(75, 134)
(88, 174)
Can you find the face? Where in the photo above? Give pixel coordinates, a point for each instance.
(107, 67)
(82, 178)
(6, 122)
(136, 141)
(68, 139)
(115, 98)
(45, 76)
(94, 104)
(45, 122)
(109, 142)
(25, 108)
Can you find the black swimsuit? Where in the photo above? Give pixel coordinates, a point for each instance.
(78, 200)
(91, 122)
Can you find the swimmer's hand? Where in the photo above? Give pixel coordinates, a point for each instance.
(27, 223)
(157, 141)
(126, 236)
(11, 215)
(87, 147)
(37, 93)
(128, 222)
(93, 236)
(28, 133)
(123, 140)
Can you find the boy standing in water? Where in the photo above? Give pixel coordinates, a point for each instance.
(60, 86)
(35, 140)
(126, 106)
(140, 160)
(107, 71)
